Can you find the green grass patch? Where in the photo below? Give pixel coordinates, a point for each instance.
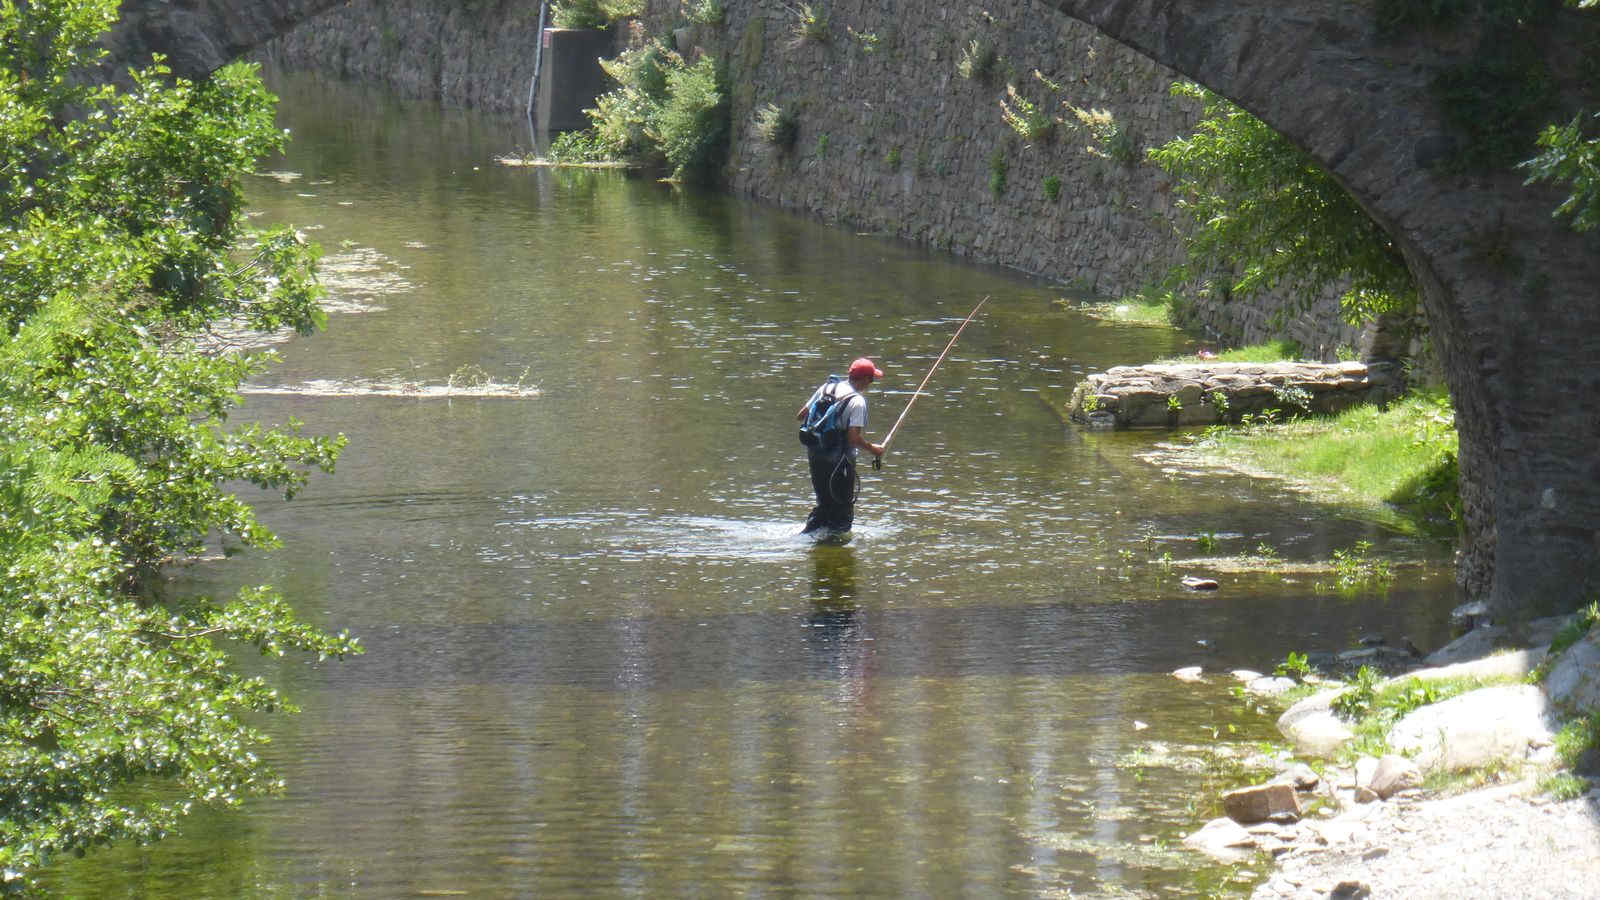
(1269, 352)
(1446, 783)
(1372, 705)
(1136, 310)
(1574, 631)
(1399, 461)
(1569, 634)
(1578, 742)
(1563, 786)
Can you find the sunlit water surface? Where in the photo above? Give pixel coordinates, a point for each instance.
(600, 660)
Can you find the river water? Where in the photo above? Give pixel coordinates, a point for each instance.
(600, 660)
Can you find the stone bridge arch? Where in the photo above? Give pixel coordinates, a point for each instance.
(1512, 296)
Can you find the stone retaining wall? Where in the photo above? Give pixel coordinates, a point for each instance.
(894, 139)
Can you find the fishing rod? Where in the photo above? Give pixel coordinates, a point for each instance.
(878, 461)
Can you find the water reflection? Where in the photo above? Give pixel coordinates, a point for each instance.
(835, 630)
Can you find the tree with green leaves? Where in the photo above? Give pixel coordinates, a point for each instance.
(125, 261)
(1264, 212)
(1570, 156)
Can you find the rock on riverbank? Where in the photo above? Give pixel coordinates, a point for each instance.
(1208, 393)
(1372, 832)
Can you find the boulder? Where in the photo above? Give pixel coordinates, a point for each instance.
(1574, 681)
(1394, 774)
(1510, 664)
(1188, 394)
(1261, 802)
(1223, 839)
(1188, 673)
(1365, 767)
(1301, 776)
(1484, 640)
(1475, 644)
(1476, 729)
(1312, 726)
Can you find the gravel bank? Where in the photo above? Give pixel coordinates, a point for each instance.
(1501, 841)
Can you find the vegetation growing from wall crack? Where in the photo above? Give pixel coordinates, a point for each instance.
(777, 126)
(706, 12)
(665, 112)
(978, 60)
(593, 13)
(810, 24)
(1030, 122)
(999, 169)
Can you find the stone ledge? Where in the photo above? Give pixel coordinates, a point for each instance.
(1210, 393)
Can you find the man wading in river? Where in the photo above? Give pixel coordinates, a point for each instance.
(831, 423)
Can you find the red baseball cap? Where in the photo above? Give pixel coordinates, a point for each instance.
(863, 368)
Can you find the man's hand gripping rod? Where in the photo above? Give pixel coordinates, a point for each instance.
(877, 461)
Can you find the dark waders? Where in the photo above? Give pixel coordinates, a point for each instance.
(833, 477)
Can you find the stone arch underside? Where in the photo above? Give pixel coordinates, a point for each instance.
(1512, 296)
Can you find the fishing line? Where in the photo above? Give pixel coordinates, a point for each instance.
(877, 461)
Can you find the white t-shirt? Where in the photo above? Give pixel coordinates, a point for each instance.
(854, 414)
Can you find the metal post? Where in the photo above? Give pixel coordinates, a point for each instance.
(533, 83)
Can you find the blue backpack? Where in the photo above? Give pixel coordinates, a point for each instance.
(824, 427)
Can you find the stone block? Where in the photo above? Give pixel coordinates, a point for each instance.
(1261, 802)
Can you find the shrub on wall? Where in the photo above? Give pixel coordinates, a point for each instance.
(978, 61)
(777, 126)
(593, 13)
(1025, 117)
(692, 129)
(811, 24)
(664, 112)
(999, 168)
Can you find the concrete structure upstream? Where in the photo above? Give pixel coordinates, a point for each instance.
(1510, 293)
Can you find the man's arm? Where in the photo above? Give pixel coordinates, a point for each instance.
(861, 443)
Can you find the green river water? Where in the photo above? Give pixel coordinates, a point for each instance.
(599, 659)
